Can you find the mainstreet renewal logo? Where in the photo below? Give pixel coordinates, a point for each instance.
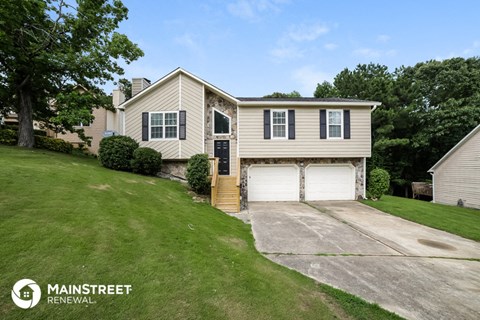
(26, 293)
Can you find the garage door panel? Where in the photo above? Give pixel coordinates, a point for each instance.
(330, 183)
(273, 183)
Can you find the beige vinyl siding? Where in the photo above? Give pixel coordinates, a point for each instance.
(179, 93)
(458, 177)
(307, 142)
(94, 130)
(192, 102)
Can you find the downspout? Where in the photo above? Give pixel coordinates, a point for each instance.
(433, 185)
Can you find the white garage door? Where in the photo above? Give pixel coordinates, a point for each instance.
(329, 182)
(273, 183)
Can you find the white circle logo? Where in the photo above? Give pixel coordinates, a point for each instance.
(26, 293)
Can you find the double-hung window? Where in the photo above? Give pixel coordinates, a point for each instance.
(335, 124)
(279, 124)
(163, 125)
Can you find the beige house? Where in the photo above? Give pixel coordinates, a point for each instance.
(457, 175)
(270, 149)
(104, 120)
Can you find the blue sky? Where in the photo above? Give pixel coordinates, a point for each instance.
(256, 47)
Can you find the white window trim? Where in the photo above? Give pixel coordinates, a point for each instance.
(81, 125)
(163, 133)
(286, 124)
(213, 123)
(341, 124)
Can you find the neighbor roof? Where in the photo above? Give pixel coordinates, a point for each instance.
(455, 148)
(246, 101)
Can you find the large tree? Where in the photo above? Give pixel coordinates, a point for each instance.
(293, 94)
(48, 48)
(426, 109)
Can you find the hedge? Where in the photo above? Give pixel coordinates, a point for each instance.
(116, 152)
(53, 144)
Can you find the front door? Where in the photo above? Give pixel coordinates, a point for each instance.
(222, 152)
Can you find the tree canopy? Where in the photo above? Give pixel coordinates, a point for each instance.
(293, 94)
(51, 47)
(426, 109)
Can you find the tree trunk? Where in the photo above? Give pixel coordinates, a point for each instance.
(25, 118)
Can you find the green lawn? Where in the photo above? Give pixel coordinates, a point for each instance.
(66, 220)
(461, 221)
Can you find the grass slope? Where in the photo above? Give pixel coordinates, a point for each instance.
(460, 221)
(66, 220)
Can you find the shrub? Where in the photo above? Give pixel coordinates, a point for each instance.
(379, 183)
(8, 137)
(53, 144)
(197, 173)
(146, 161)
(38, 132)
(116, 152)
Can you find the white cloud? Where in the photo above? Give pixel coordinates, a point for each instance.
(188, 41)
(367, 53)
(286, 53)
(473, 48)
(374, 53)
(383, 38)
(306, 32)
(330, 46)
(288, 46)
(252, 9)
(308, 77)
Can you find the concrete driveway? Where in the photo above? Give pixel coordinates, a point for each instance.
(412, 270)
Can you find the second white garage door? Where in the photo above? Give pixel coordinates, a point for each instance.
(329, 182)
(273, 183)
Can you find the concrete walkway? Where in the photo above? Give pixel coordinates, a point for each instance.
(412, 270)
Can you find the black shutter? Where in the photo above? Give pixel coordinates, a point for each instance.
(323, 124)
(346, 124)
(266, 124)
(144, 126)
(291, 124)
(182, 121)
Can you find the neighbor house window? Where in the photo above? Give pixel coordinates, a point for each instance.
(334, 124)
(163, 125)
(279, 124)
(221, 123)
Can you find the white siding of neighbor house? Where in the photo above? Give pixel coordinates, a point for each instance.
(307, 142)
(178, 93)
(458, 177)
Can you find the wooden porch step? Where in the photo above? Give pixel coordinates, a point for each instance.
(227, 194)
(227, 208)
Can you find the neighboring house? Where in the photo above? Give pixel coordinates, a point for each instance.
(103, 120)
(276, 149)
(457, 175)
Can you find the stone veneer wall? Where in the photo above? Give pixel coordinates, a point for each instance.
(230, 109)
(176, 168)
(302, 163)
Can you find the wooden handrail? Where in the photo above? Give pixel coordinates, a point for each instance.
(238, 172)
(239, 167)
(214, 182)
